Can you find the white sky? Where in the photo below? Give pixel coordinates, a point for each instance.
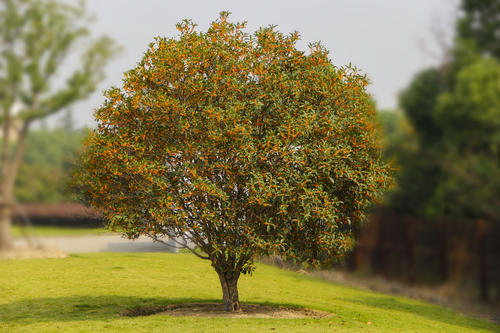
(383, 38)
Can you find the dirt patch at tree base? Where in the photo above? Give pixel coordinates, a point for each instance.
(217, 310)
(33, 252)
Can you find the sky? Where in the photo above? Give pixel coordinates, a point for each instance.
(389, 40)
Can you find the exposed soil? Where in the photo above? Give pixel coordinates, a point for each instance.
(33, 252)
(217, 310)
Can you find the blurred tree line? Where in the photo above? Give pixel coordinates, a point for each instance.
(36, 39)
(45, 174)
(446, 145)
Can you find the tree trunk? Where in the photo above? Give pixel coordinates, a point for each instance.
(483, 265)
(5, 226)
(443, 251)
(9, 169)
(6, 205)
(410, 248)
(229, 284)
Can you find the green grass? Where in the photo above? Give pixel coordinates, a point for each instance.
(58, 231)
(86, 293)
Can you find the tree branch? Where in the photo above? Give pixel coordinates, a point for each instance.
(181, 246)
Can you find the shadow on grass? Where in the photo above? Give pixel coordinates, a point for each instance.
(75, 308)
(428, 311)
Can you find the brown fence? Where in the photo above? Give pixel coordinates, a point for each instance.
(431, 252)
(65, 214)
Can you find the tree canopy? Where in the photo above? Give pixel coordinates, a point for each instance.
(240, 145)
(452, 175)
(481, 24)
(469, 116)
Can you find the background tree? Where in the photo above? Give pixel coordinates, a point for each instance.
(35, 38)
(470, 118)
(481, 24)
(239, 144)
(417, 162)
(44, 176)
(451, 176)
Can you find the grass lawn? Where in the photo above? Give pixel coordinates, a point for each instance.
(59, 231)
(86, 293)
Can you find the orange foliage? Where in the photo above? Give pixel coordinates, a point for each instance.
(241, 143)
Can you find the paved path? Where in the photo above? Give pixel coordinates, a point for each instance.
(98, 243)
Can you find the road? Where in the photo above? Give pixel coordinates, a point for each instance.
(97, 243)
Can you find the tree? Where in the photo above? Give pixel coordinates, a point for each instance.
(470, 118)
(452, 174)
(481, 24)
(415, 152)
(418, 101)
(238, 144)
(35, 38)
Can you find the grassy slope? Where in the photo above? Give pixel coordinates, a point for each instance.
(85, 293)
(59, 231)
